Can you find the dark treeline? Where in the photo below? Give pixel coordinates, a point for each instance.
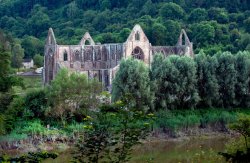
(211, 25)
(220, 81)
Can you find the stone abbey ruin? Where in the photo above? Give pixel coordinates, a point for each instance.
(101, 61)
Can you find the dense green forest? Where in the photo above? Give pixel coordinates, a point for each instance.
(211, 24)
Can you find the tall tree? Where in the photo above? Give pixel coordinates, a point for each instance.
(172, 11)
(187, 94)
(164, 76)
(6, 79)
(132, 79)
(207, 83)
(242, 91)
(38, 60)
(38, 22)
(32, 46)
(227, 78)
(198, 15)
(17, 56)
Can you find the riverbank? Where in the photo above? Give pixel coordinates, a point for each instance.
(190, 149)
(17, 148)
(173, 126)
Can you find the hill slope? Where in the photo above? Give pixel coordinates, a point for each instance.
(210, 24)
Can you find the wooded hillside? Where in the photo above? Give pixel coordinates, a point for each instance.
(213, 25)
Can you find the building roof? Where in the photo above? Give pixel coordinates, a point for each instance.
(27, 60)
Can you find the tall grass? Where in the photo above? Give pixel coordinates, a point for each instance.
(175, 120)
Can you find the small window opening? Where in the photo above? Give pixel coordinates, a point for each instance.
(137, 36)
(87, 42)
(65, 56)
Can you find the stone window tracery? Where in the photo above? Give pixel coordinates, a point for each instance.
(138, 53)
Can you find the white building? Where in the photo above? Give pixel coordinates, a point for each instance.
(28, 63)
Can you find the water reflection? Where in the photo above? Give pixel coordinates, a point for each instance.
(162, 151)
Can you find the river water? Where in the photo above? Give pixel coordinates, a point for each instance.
(196, 150)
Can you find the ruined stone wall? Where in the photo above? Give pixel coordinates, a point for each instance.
(138, 39)
(169, 50)
(102, 61)
(96, 61)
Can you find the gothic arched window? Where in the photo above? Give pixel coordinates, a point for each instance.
(138, 53)
(65, 56)
(87, 42)
(137, 36)
(77, 55)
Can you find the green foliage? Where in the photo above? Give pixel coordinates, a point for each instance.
(203, 34)
(2, 126)
(242, 126)
(36, 102)
(173, 30)
(173, 121)
(14, 112)
(247, 24)
(69, 93)
(226, 76)
(198, 15)
(242, 66)
(38, 60)
(30, 157)
(218, 14)
(238, 150)
(175, 80)
(13, 136)
(112, 133)
(172, 11)
(187, 93)
(32, 46)
(132, 79)
(207, 82)
(39, 21)
(30, 20)
(7, 80)
(33, 128)
(17, 56)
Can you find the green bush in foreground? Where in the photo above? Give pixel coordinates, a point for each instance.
(30, 157)
(238, 150)
(111, 134)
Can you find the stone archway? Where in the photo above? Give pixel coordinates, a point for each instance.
(138, 53)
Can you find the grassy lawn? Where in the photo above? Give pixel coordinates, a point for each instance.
(30, 82)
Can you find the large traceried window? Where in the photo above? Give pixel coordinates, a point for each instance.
(138, 53)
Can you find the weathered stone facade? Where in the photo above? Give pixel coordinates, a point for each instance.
(101, 61)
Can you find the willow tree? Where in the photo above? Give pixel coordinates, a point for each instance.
(132, 79)
(174, 80)
(242, 66)
(226, 76)
(186, 95)
(164, 76)
(207, 82)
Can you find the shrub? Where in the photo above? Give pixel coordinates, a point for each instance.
(14, 113)
(36, 103)
(2, 126)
